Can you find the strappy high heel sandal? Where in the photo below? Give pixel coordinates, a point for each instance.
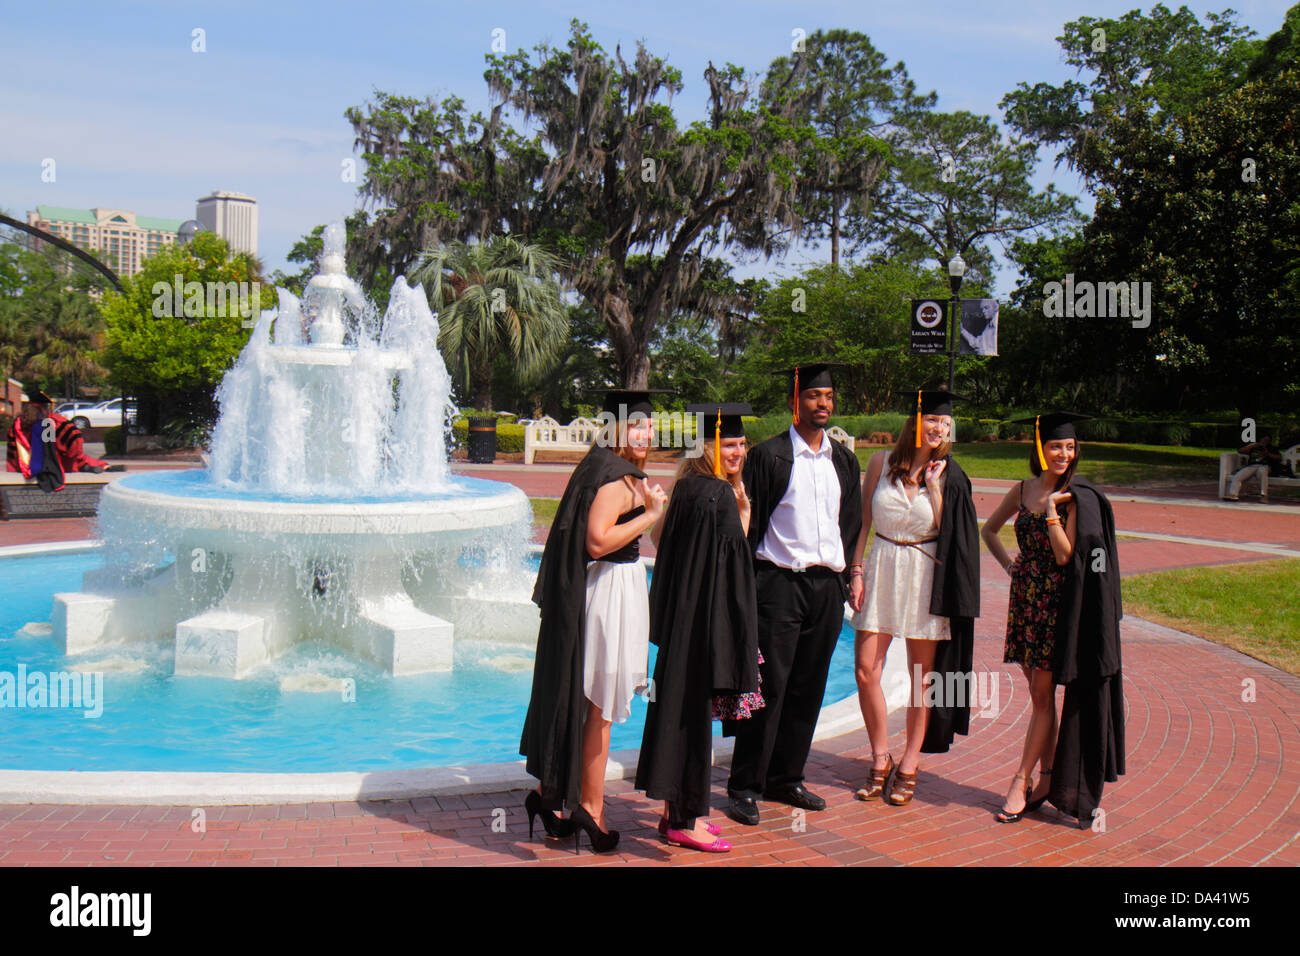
(1002, 816)
(875, 787)
(1033, 805)
(900, 790)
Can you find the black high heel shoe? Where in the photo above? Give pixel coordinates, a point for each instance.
(554, 826)
(1033, 805)
(601, 842)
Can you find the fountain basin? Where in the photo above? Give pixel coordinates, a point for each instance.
(256, 572)
(187, 503)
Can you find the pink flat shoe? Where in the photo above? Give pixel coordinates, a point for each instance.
(711, 827)
(679, 838)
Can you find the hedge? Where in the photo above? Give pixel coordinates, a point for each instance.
(510, 437)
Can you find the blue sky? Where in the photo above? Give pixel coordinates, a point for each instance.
(135, 119)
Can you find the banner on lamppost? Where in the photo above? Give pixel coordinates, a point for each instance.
(928, 327)
(979, 327)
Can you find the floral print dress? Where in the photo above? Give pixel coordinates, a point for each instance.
(1036, 581)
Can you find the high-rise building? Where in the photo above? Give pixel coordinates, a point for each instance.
(124, 236)
(233, 216)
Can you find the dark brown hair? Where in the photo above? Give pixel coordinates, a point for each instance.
(900, 459)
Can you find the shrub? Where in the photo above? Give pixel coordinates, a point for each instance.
(114, 440)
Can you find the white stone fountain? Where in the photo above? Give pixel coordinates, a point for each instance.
(327, 512)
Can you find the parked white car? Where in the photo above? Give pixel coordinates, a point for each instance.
(69, 409)
(104, 415)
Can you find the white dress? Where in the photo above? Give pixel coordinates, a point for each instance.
(616, 643)
(897, 579)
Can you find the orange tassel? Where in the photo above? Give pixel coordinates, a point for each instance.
(717, 446)
(918, 418)
(1038, 444)
(796, 394)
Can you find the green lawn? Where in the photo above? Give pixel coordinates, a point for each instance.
(1102, 462)
(1253, 608)
(544, 510)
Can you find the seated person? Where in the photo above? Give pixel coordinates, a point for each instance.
(1261, 457)
(68, 442)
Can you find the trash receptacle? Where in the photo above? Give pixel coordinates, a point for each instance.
(482, 440)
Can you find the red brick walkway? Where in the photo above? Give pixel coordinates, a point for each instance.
(1211, 773)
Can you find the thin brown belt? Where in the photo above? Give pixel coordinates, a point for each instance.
(913, 544)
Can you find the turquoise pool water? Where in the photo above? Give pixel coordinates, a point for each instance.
(152, 720)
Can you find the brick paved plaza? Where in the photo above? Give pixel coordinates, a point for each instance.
(1212, 779)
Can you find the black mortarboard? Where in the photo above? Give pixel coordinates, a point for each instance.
(36, 397)
(632, 401)
(811, 375)
(725, 414)
(721, 420)
(1052, 426)
(932, 401)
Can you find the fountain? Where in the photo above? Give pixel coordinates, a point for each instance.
(327, 511)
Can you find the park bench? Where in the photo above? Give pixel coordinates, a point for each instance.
(843, 437)
(547, 434)
(1231, 462)
(79, 498)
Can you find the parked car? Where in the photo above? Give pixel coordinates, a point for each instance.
(68, 409)
(104, 415)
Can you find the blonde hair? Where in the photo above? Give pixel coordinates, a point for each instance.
(702, 464)
(901, 458)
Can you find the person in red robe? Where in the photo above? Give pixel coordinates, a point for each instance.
(68, 441)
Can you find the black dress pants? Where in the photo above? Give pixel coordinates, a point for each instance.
(800, 615)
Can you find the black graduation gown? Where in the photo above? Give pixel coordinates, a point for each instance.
(956, 596)
(552, 736)
(704, 620)
(1086, 660)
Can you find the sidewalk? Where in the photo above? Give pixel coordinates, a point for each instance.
(1210, 775)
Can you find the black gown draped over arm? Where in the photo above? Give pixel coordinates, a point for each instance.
(704, 621)
(1086, 660)
(552, 736)
(956, 596)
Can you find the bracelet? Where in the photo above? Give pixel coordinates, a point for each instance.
(855, 572)
(1055, 521)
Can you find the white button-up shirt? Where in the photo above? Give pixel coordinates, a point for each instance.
(804, 529)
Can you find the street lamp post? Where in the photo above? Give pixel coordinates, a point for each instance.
(956, 269)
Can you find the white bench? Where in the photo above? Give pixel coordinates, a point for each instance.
(1230, 462)
(547, 434)
(843, 437)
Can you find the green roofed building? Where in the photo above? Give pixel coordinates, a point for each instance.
(119, 234)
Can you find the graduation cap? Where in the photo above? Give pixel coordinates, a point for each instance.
(929, 401)
(36, 397)
(1054, 426)
(726, 424)
(633, 401)
(811, 375)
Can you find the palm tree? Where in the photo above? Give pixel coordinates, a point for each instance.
(501, 295)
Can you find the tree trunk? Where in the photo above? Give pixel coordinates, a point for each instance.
(633, 354)
(835, 236)
(481, 380)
